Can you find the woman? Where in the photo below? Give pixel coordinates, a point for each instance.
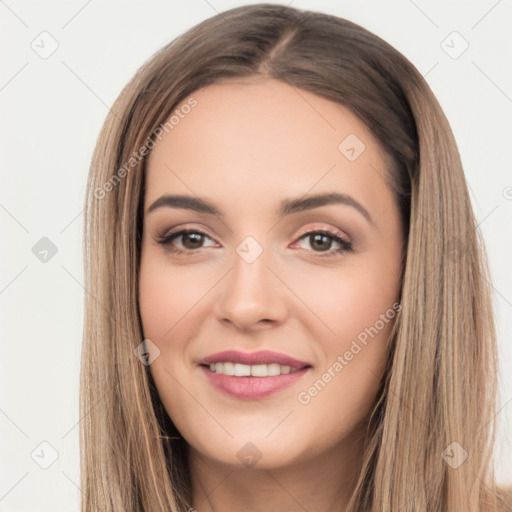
(288, 301)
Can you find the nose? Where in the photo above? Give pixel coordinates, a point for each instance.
(251, 297)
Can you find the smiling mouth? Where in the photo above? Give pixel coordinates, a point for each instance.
(252, 375)
(255, 370)
(252, 382)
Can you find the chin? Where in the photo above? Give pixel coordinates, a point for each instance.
(253, 448)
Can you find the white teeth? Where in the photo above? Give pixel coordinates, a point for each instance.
(241, 370)
(259, 370)
(273, 369)
(255, 370)
(229, 369)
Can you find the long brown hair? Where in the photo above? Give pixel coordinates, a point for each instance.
(438, 396)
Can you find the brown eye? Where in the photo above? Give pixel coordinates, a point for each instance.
(321, 241)
(191, 240)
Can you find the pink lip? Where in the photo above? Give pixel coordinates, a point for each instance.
(253, 388)
(251, 358)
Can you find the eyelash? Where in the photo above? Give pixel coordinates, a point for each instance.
(346, 247)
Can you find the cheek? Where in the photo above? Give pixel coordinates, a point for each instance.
(358, 304)
(167, 296)
(347, 301)
(171, 312)
(343, 388)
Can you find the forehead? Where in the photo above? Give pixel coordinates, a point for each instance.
(264, 139)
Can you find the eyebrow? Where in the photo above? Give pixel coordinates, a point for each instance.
(288, 206)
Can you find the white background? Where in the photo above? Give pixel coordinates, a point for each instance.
(51, 113)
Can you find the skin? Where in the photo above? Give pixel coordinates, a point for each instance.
(243, 148)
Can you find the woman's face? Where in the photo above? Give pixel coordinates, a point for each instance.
(301, 290)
